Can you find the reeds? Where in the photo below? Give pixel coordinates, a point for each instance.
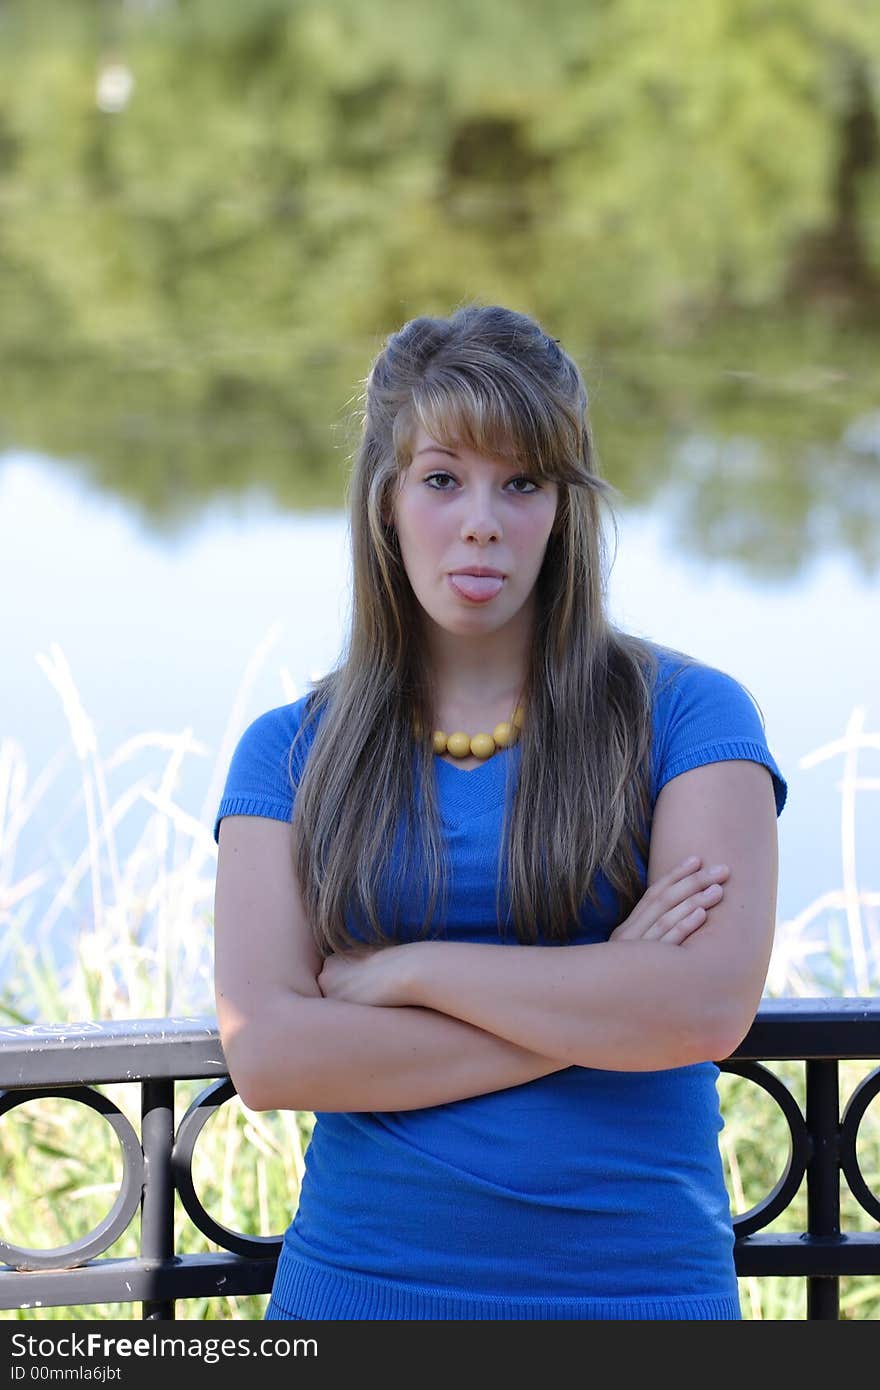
(136, 921)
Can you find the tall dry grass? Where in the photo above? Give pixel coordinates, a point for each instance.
(135, 920)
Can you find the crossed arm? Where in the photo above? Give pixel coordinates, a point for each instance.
(426, 1022)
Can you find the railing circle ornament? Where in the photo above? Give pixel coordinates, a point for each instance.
(858, 1103)
(800, 1148)
(189, 1129)
(128, 1198)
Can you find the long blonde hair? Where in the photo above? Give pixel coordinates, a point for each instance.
(491, 378)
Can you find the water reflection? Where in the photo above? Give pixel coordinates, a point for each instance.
(770, 473)
(219, 212)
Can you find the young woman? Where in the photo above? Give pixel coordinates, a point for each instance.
(494, 894)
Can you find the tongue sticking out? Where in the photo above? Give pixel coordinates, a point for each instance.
(476, 586)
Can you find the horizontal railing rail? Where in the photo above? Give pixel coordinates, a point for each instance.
(70, 1060)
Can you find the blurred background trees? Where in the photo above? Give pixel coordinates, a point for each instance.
(210, 214)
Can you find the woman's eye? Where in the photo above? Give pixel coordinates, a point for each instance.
(531, 485)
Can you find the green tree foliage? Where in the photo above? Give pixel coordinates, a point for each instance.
(193, 281)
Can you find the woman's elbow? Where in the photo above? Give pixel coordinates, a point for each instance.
(724, 1001)
(250, 1085)
(251, 1064)
(724, 1029)
(260, 1085)
(266, 1048)
(701, 1036)
(734, 1030)
(242, 1075)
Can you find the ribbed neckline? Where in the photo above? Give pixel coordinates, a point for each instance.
(470, 791)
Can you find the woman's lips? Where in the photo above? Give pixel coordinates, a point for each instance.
(476, 588)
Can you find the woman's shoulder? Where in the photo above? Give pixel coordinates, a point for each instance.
(703, 713)
(281, 723)
(267, 762)
(283, 732)
(681, 677)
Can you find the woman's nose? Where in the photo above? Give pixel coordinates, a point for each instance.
(480, 520)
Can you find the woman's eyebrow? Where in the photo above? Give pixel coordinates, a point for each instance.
(435, 449)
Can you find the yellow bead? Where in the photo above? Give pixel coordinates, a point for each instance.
(482, 745)
(504, 734)
(519, 716)
(459, 744)
(439, 741)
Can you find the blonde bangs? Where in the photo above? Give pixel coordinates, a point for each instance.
(470, 410)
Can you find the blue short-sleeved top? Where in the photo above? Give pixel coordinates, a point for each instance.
(583, 1194)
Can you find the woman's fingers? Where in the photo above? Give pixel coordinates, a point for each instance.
(685, 928)
(684, 894)
(674, 889)
(692, 911)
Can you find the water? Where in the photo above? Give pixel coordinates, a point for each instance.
(159, 634)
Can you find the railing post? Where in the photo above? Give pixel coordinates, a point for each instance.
(156, 1053)
(823, 1178)
(157, 1202)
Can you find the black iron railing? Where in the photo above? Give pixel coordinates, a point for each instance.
(71, 1060)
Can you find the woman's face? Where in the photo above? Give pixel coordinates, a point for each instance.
(458, 510)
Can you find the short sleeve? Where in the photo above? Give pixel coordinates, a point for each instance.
(703, 715)
(262, 776)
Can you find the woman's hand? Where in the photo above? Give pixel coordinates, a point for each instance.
(671, 910)
(675, 906)
(368, 975)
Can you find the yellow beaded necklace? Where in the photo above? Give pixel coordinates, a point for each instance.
(462, 745)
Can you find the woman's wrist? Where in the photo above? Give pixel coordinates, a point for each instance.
(415, 965)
